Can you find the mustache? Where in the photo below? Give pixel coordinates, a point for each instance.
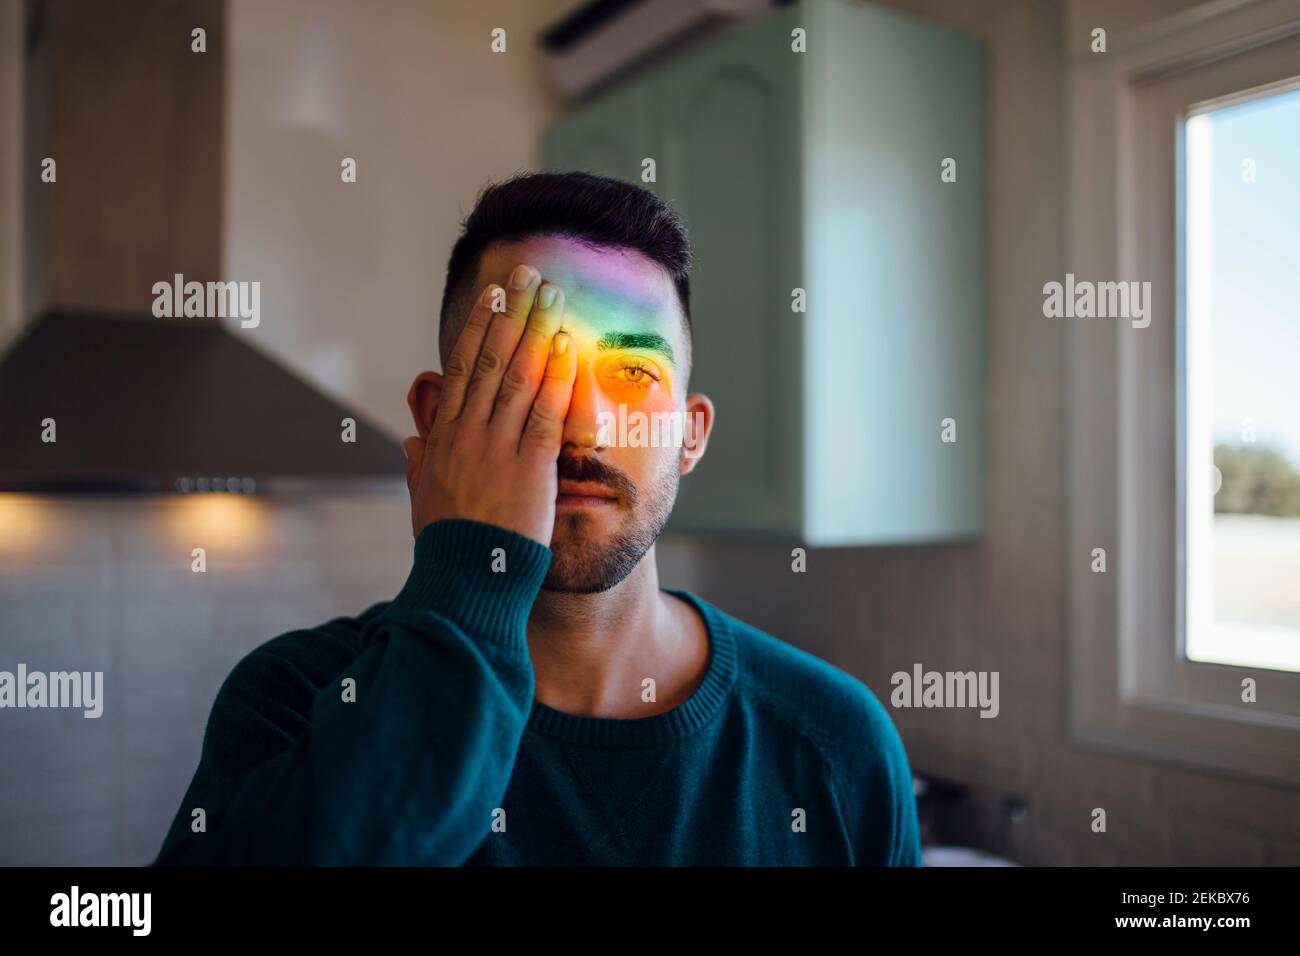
(592, 469)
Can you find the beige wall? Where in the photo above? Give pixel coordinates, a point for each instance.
(1119, 16)
(11, 119)
(352, 275)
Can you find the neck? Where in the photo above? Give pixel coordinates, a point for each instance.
(592, 652)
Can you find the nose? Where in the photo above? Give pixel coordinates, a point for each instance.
(587, 408)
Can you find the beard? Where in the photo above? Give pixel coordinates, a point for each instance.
(583, 564)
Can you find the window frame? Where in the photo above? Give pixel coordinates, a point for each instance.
(1132, 688)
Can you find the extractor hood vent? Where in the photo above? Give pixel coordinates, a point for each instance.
(138, 404)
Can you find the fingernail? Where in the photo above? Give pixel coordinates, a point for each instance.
(546, 297)
(520, 278)
(560, 344)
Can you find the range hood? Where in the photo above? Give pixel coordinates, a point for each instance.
(127, 188)
(141, 404)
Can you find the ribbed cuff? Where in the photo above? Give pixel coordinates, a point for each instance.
(453, 575)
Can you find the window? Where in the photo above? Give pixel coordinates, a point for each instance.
(1242, 397)
(1185, 639)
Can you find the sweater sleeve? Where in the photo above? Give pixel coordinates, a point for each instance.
(887, 825)
(896, 788)
(907, 829)
(402, 756)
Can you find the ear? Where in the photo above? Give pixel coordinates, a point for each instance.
(423, 400)
(696, 429)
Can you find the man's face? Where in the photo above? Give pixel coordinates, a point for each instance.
(617, 486)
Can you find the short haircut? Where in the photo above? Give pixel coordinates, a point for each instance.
(595, 210)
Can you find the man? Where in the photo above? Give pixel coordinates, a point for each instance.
(531, 696)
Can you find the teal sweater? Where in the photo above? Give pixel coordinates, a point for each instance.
(444, 757)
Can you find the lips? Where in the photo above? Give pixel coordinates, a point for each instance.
(585, 489)
(585, 493)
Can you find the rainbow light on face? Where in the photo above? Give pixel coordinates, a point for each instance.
(624, 348)
(630, 375)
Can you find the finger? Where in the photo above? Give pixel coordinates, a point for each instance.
(413, 447)
(498, 348)
(460, 364)
(523, 376)
(544, 432)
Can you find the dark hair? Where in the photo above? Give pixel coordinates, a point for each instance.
(595, 210)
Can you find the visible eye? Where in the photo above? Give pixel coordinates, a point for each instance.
(636, 373)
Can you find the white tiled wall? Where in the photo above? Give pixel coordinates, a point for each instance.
(106, 584)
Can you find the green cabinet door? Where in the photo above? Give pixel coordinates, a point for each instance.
(609, 136)
(728, 129)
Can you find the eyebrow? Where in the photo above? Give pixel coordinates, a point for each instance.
(649, 341)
